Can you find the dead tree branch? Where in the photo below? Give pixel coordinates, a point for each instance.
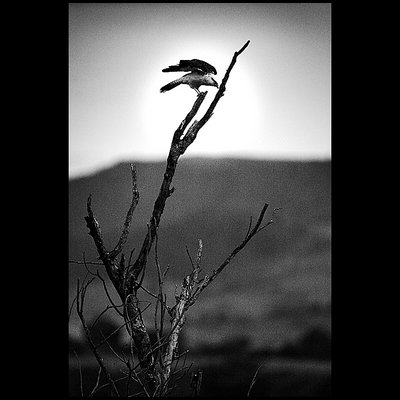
(178, 315)
(124, 276)
(191, 289)
(208, 279)
(127, 291)
(125, 231)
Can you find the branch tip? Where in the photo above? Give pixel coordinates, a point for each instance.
(244, 47)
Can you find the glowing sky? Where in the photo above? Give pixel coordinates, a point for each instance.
(278, 98)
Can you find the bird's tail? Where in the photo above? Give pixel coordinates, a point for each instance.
(172, 68)
(170, 85)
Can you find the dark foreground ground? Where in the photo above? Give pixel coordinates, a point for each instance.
(302, 368)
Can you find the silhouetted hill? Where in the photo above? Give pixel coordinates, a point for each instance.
(287, 264)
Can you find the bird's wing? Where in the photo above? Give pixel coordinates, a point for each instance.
(192, 65)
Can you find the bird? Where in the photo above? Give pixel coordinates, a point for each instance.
(200, 74)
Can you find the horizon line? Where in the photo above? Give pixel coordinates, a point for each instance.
(90, 171)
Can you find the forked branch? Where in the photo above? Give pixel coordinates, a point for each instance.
(178, 147)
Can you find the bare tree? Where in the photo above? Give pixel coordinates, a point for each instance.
(153, 372)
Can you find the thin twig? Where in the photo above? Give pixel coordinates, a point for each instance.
(190, 257)
(165, 272)
(105, 339)
(141, 383)
(97, 384)
(130, 257)
(147, 291)
(108, 294)
(70, 309)
(271, 221)
(169, 390)
(216, 272)
(250, 223)
(80, 373)
(108, 384)
(253, 380)
(101, 314)
(81, 292)
(159, 302)
(87, 262)
(86, 265)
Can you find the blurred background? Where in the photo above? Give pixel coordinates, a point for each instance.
(268, 141)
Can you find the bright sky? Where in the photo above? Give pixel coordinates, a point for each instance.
(278, 98)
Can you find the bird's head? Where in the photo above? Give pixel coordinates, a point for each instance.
(211, 81)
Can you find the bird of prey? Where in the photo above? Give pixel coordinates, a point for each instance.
(200, 74)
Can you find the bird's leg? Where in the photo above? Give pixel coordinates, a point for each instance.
(197, 90)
